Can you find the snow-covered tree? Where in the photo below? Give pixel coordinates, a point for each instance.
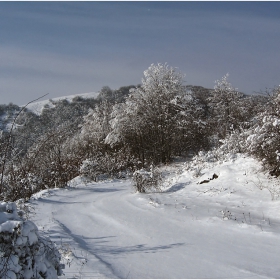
(154, 116)
(99, 158)
(96, 123)
(264, 138)
(225, 106)
(106, 93)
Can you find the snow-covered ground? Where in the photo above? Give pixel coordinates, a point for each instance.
(37, 107)
(226, 228)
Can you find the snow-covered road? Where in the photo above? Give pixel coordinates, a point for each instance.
(109, 231)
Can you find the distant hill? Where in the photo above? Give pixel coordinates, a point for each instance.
(37, 107)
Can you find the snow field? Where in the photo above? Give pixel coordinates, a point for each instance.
(226, 228)
(37, 107)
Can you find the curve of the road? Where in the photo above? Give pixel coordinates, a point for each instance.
(117, 233)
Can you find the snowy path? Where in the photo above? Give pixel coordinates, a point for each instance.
(116, 233)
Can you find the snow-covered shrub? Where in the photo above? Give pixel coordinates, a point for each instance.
(230, 111)
(201, 161)
(109, 164)
(17, 184)
(90, 169)
(24, 253)
(263, 141)
(234, 143)
(228, 151)
(145, 181)
(55, 158)
(50, 162)
(225, 107)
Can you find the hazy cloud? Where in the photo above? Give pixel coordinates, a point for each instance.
(74, 47)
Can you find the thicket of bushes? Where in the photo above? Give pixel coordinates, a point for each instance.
(131, 128)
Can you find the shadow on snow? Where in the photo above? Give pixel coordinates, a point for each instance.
(100, 249)
(175, 188)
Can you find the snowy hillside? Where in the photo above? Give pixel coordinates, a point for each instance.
(227, 227)
(38, 106)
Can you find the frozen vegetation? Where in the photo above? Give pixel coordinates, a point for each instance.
(24, 252)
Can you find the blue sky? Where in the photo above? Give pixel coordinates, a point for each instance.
(64, 48)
